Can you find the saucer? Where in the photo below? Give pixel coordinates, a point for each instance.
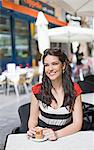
(39, 140)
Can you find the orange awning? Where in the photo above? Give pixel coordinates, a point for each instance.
(31, 12)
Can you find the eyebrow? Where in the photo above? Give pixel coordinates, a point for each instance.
(53, 61)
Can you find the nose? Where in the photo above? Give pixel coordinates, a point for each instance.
(50, 67)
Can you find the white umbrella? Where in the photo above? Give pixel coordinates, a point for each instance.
(70, 34)
(42, 32)
(60, 34)
(43, 38)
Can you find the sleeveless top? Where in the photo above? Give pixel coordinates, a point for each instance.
(50, 117)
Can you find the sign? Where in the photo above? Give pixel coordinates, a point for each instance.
(38, 5)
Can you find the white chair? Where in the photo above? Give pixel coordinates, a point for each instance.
(11, 67)
(12, 81)
(22, 83)
(29, 78)
(36, 75)
(2, 84)
(17, 81)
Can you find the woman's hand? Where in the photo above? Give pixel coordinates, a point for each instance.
(31, 132)
(50, 134)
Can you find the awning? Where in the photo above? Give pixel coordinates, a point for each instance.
(31, 12)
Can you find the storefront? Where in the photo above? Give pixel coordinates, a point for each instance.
(17, 27)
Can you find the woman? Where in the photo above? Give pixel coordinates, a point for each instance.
(56, 102)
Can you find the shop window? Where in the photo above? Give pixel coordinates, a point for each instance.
(21, 38)
(5, 36)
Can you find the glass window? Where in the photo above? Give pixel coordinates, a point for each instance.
(5, 36)
(21, 38)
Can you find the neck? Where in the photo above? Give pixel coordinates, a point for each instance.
(57, 84)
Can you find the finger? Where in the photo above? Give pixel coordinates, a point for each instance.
(32, 131)
(29, 135)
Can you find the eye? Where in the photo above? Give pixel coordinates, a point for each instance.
(55, 63)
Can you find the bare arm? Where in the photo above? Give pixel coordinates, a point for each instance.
(77, 120)
(34, 113)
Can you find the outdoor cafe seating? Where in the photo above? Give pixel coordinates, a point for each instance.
(19, 79)
(24, 112)
(18, 82)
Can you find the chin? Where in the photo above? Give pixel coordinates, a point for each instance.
(52, 78)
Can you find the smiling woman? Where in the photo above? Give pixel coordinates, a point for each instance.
(53, 67)
(56, 102)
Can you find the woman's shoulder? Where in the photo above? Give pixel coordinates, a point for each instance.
(36, 88)
(77, 89)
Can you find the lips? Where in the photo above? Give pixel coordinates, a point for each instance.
(52, 73)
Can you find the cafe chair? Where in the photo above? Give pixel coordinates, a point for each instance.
(88, 117)
(87, 85)
(2, 84)
(29, 79)
(11, 67)
(18, 82)
(24, 112)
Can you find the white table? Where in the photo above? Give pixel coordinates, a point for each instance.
(83, 140)
(88, 98)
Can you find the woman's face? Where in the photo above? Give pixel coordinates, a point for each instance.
(53, 67)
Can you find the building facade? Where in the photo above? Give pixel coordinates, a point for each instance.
(17, 28)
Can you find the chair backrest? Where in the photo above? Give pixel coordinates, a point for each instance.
(87, 85)
(2, 78)
(24, 112)
(11, 67)
(88, 117)
(22, 79)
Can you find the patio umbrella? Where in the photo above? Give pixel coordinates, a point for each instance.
(69, 34)
(60, 34)
(42, 32)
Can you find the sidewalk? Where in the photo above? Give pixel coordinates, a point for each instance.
(9, 117)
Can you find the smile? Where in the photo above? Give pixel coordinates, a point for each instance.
(52, 73)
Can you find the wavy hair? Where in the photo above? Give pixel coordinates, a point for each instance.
(69, 93)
